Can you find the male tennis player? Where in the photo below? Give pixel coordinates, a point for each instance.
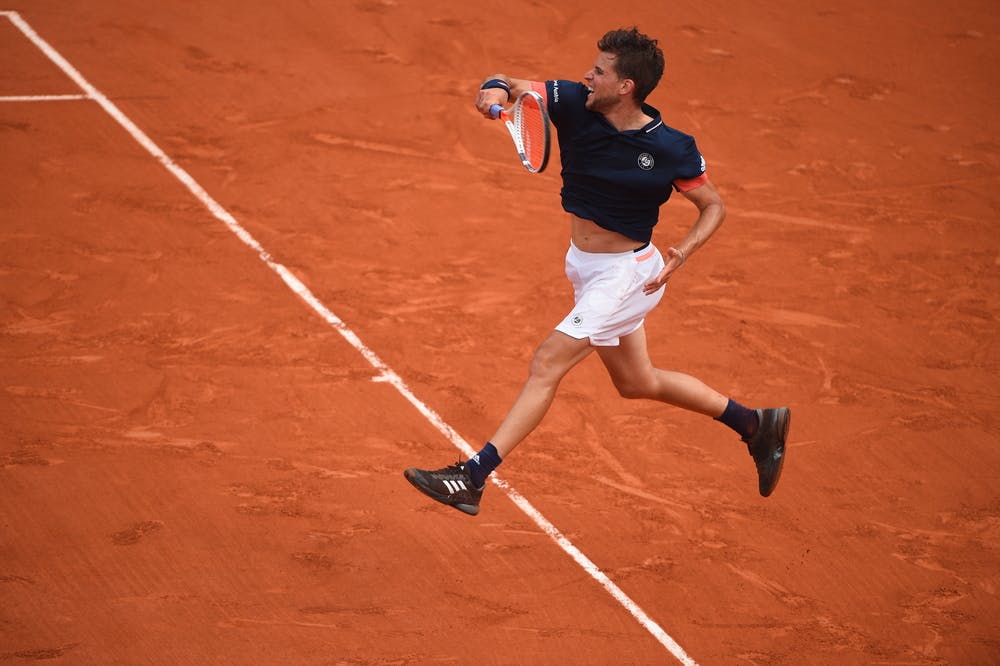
(620, 163)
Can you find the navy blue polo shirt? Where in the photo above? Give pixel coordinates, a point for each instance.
(618, 179)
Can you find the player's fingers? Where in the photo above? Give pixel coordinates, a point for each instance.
(485, 110)
(486, 99)
(650, 289)
(676, 256)
(659, 281)
(481, 103)
(653, 286)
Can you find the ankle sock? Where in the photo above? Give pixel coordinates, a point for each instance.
(482, 464)
(739, 418)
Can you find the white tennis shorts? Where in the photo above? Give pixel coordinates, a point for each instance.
(607, 289)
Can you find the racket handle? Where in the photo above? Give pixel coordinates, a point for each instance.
(495, 110)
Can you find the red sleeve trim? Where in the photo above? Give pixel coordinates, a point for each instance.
(539, 87)
(686, 185)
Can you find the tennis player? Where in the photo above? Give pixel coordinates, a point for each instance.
(620, 163)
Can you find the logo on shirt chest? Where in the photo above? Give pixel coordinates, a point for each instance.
(646, 162)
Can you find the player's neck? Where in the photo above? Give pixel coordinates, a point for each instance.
(626, 117)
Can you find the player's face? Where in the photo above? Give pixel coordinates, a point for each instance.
(603, 82)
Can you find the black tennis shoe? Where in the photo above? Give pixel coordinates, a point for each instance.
(767, 446)
(449, 485)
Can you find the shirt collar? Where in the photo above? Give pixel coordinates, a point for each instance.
(656, 121)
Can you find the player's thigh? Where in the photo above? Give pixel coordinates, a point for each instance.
(628, 363)
(557, 354)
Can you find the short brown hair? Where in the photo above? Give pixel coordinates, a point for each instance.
(637, 57)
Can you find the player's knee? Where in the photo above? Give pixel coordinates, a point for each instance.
(633, 389)
(546, 365)
(541, 365)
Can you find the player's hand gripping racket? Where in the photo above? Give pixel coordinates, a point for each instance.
(528, 124)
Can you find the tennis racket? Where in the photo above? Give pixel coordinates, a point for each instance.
(528, 124)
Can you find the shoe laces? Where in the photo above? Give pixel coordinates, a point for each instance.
(457, 468)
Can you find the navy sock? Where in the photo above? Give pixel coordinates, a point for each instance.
(739, 418)
(482, 464)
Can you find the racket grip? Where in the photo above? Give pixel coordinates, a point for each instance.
(495, 110)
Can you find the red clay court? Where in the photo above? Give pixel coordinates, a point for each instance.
(258, 258)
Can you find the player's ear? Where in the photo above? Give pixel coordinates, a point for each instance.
(626, 87)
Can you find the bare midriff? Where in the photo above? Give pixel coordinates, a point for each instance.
(590, 237)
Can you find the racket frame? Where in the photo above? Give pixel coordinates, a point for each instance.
(512, 118)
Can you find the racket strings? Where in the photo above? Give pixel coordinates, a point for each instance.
(532, 127)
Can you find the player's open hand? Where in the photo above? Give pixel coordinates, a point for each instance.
(674, 260)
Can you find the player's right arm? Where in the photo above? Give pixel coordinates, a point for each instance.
(711, 213)
(490, 96)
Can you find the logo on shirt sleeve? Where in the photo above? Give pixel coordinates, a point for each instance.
(646, 162)
(702, 158)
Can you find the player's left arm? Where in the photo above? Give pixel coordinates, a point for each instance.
(711, 213)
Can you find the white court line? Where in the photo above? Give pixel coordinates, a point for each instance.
(41, 98)
(386, 374)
